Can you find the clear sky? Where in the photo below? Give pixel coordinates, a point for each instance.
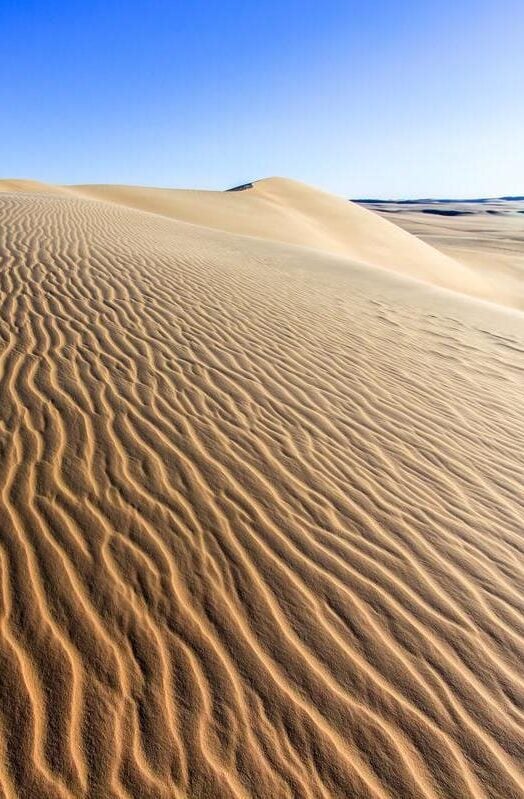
(375, 98)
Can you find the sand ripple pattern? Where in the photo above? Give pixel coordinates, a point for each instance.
(260, 532)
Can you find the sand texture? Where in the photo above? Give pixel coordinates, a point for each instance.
(261, 515)
(487, 235)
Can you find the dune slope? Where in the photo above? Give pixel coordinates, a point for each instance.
(261, 518)
(488, 235)
(294, 213)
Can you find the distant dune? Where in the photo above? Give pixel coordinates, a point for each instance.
(262, 500)
(485, 234)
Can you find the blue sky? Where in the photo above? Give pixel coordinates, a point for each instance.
(372, 98)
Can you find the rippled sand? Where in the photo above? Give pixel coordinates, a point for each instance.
(261, 520)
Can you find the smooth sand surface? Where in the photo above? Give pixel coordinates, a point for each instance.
(486, 235)
(261, 521)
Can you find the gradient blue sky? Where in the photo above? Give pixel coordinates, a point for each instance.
(369, 98)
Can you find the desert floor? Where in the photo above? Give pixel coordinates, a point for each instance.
(261, 514)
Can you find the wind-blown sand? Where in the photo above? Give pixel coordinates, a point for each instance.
(261, 522)
(487, 235)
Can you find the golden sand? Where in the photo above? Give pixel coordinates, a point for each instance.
(261, 521)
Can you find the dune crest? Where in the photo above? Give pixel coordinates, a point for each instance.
(290, 212)
(294, 213)
(261, 510)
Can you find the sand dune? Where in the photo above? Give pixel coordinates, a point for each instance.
(261, 511)
(486, 235)
(293, 213)
(8, 185)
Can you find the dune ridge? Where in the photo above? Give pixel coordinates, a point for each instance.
(261, 512)
(293, 213)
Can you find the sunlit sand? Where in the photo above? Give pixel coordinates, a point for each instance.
(262, 500)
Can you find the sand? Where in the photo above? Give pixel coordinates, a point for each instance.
(486, 235)
(261, 521)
